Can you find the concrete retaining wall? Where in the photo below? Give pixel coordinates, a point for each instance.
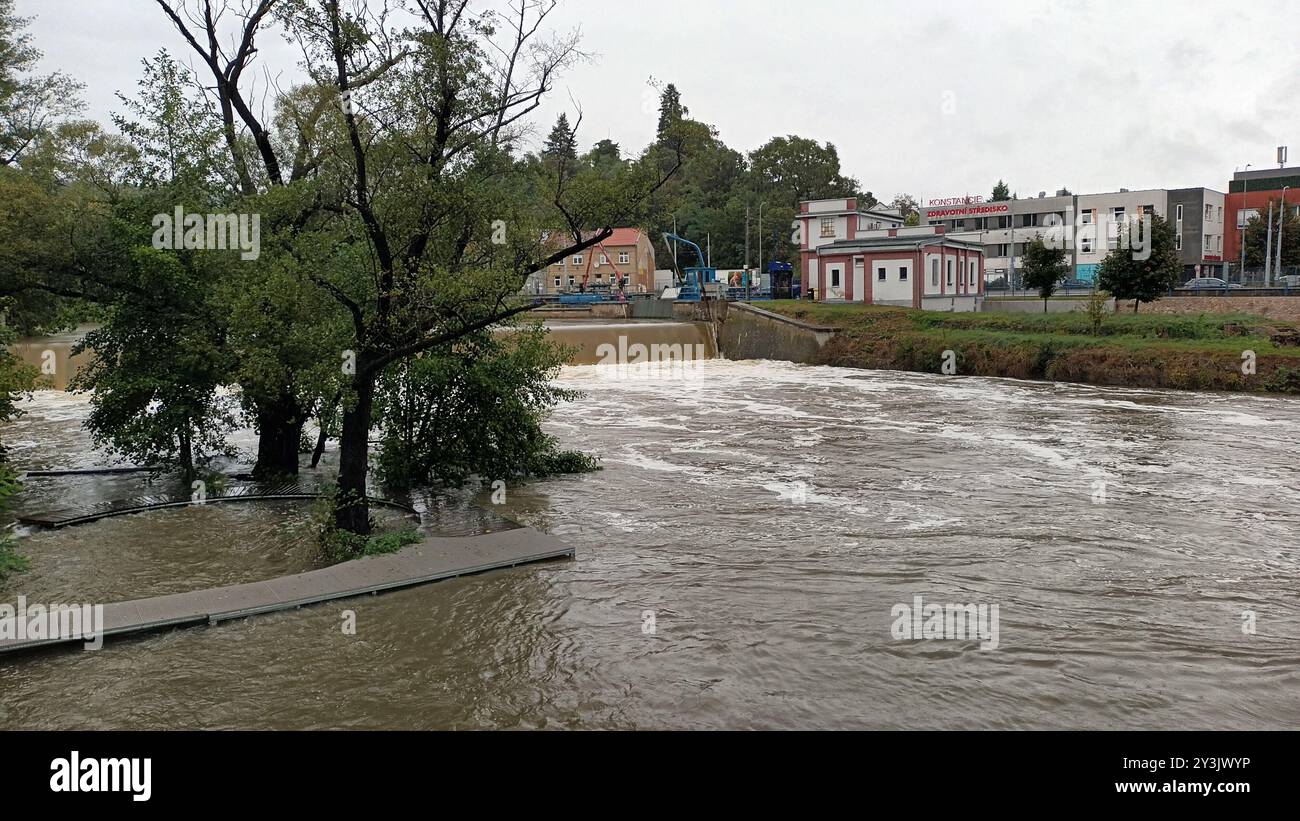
(1035, 306)
(950, 303)
(746, 332)
(1273, 307)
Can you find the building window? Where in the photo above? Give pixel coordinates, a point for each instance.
(570, 280)
(623, 258)
(1178, 240)
(934, 271)
(1220, 213)
(1209, 212)
(835, 277)
(1085, 244)
(974, 269)
(1178, 213)
(1027, 221)
(557, 282)
(950, 272)
(577, 259)
(604, 260)
(828, 226)
(1086, 214)
(880, 274)
(902, 274)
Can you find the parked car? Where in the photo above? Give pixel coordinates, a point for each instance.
(1290, 281)
(1076, 285)
(1207, 283)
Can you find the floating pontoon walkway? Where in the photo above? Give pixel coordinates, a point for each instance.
(104, 471)
(432, 560)
(139, 504)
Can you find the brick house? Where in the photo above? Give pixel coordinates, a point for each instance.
(628, 251)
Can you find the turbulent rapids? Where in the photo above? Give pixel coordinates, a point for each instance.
(766, 519)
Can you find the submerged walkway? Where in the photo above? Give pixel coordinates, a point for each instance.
(236, 493)
(431, 560)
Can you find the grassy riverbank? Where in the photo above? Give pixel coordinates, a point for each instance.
(1203, 352)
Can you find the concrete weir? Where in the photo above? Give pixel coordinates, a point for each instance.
(584, 339)
(431, 560)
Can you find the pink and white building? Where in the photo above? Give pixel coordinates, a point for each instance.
(870, 256)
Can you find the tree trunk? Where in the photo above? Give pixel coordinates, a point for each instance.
(321, 438)
(186, 453)
(1135, 306)
(1044, 305)
(279, 425)
(353, 511)
(326, 420)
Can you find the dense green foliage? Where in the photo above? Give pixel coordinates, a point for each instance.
(1142, 277)
(1258, 237)
(1044, 268)
(474, 410)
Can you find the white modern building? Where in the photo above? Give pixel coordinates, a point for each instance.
(1101, 219)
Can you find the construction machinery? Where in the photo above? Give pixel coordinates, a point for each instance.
(691, 281)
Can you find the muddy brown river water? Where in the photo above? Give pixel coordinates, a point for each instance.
(764, 518)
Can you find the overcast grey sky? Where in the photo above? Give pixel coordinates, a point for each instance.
(937, 99)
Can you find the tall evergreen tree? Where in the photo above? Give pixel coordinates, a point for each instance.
(671, 110)
(561, 149)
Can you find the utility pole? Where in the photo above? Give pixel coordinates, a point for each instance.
(746, 236)
(1241, 214)
(1268, 246)
(760, 246)
(1281, 216)
(675, 266)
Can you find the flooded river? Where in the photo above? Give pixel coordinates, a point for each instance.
(738, 559)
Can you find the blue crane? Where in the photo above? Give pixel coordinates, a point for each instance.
(693, 279)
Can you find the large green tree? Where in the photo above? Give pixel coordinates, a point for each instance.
(419, 228)
(30, 103)
(1258, 238)
(1143, 270)
(671, 111)
(1044, 267)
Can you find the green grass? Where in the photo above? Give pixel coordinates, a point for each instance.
(1199, 331)
(1145, 350)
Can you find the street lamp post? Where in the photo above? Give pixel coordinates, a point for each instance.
(1241, 213)
(1268, 248)
(1281, 216)
(760, 249)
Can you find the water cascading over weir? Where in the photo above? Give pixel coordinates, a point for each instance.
(596, 342)
(663, 339)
